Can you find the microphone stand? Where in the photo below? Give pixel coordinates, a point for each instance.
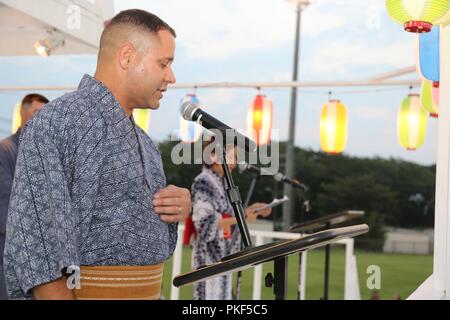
(280, 275)
(237, 294)
(236, 202)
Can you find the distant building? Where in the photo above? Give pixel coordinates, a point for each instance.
(409, 241)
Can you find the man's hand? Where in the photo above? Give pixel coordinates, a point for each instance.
(173, 204)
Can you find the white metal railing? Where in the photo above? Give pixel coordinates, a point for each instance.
(351, 286)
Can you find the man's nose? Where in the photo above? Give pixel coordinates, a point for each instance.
(170, 77)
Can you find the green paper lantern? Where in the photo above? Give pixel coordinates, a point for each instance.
(419, 15)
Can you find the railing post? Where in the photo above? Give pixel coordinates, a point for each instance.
(349, 245)
(303, 276)
(257, 275)
(176, 263)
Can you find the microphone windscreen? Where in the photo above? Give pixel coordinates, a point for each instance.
(187, 110)
(242, 167)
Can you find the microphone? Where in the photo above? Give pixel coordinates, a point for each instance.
(280, 177)
(191, 112)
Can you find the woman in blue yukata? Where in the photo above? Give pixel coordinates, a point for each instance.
(217, 233)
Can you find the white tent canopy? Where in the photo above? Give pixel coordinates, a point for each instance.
(79, 22)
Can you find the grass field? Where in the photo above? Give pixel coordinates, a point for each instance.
(400, 274)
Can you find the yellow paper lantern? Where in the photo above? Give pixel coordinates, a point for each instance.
(16, 118)
(142, 118)
(411, 123)
(333, 127)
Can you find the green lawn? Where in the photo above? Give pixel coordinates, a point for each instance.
(400, 274)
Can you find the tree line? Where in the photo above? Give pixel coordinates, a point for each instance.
(391, 192)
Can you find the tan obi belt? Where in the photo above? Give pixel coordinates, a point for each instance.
(120, 283)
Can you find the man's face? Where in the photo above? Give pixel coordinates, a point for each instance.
(153, 72)
(28, 111)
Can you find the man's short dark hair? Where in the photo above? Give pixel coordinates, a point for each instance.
(141, 19)
(30, 98)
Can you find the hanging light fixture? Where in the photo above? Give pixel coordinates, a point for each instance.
(142, 118)
(16, 118)
(259, 119)
(429, 97)
(411, 123)
(428, 62)
(419, 15)
(46, 47)
(190, 132)
(333, 127)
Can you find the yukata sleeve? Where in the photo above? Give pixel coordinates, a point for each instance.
(41, 236)
(204, 214)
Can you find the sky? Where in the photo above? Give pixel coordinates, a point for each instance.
(253, 41)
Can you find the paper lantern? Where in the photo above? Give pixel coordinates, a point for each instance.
(428, 65)
(16, 118)
(142, 118)
(259, 120)
(333, 127)
(418, 15)
(429, 97)
(190, 131)
(411, 123)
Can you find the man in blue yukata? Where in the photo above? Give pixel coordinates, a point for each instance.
(8, 156)
(90, 214)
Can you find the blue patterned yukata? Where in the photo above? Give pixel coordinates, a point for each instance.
(209, 202)
(83, 192)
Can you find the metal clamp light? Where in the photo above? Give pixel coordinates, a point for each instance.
(46, 47)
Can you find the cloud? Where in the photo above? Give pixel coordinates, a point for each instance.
(335, 59)
(221, 29)
(216, 99)
(280, 77)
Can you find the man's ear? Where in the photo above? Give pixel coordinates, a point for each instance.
(127, 54)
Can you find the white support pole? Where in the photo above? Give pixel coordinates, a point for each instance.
(351, 289)
(393, 74)
(441, 274)
(303, 275)
(257, 273)
(355, 284)
(349, 293)
(176, 263)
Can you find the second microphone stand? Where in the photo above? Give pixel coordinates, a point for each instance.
(236, 202)
(237, 294)
(279, 279)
